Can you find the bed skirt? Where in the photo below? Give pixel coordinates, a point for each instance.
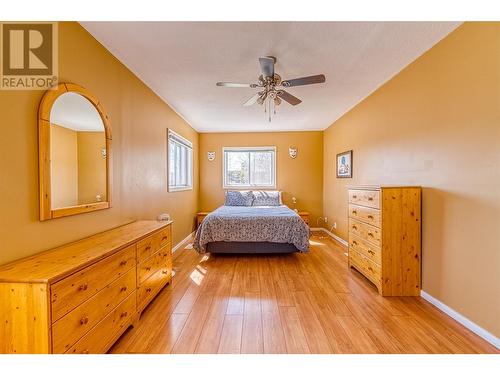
(221, 247)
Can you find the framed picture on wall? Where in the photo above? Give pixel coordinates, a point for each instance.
(344, 164)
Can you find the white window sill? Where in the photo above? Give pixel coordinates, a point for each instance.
(174, 189)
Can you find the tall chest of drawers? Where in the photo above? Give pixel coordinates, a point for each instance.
(80, 297)
(385, 237)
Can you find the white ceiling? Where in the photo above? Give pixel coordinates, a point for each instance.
(76, 112)
(182, 61)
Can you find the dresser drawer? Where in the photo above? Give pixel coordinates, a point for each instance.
(368, 268)
(71, 327)
(99, 339)
(368, 215)
(365, 248)
(365, 231)
(368, 198)
(151, 244)
(79, 287)
(152, 264)
(150, 287)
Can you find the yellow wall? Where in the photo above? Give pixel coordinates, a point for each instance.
(64, 166)
(301, 177)
(437, 124)
(91, 166)
(139, 121)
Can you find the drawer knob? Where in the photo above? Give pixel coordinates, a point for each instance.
(123, 314)
(164, 272)
(148, 290)
(148, 247)
(84, 320)
(123, 289)
(370, 217)
(354, 212)
(123, 262)
(164, 238)
(83, 287)
(371, 269)
(370, 198)
(354, 196)
(371, 252)
(354, 243)
(148, 268)
(354, 227)
(370, 234)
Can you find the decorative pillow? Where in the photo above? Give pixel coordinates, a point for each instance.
(267, 198)
(239, 198)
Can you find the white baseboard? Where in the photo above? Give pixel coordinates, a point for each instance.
(480, 331)
(334, 236)
(183, 242)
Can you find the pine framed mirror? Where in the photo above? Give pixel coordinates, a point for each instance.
(74, 153)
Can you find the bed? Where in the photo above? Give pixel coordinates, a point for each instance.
(252, 228)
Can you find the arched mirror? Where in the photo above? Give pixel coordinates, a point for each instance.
(74, 153)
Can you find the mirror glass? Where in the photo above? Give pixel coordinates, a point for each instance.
(77, 152)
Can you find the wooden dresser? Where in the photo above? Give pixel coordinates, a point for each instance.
(385, 237)
(80, 297)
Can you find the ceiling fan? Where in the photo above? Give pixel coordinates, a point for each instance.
(270, 86)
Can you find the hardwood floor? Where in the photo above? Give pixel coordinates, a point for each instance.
(296, 303)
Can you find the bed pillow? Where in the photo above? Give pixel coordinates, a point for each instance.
(239, 198)
(267, 198)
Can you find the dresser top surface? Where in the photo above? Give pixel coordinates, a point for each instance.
(380, 187)
(54, 264)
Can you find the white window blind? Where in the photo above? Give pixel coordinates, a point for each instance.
(249, 167)
(180, 162)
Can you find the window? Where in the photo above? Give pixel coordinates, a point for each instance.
(249, 167)
(180, 162)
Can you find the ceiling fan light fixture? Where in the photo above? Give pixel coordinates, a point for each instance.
(262, 98)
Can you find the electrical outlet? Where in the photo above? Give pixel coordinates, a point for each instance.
(326, 219)
(335, 225)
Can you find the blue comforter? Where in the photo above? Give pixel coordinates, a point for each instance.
(277, 224)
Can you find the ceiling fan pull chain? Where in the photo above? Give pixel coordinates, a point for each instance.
(271, 103)
(270, 109)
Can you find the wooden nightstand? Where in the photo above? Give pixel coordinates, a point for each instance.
(305, 216)
(199, 217)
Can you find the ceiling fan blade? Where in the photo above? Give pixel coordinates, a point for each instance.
(287, 97)
(320, 78)
(267, 66)
(232, 84)
(252, 100)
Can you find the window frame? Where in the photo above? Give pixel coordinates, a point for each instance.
(180, 140)
(249, 149)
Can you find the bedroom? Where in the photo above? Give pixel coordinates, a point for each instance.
(362, 220)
